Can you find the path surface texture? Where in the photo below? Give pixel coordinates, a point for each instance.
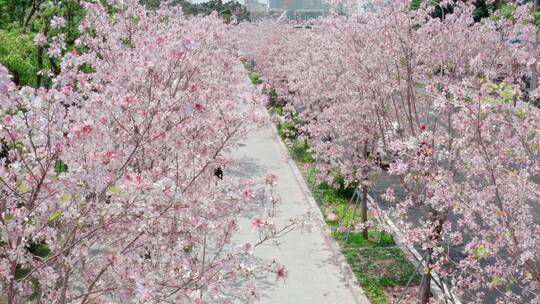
(317, 271)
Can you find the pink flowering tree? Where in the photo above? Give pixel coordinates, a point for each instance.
(442, 98)
(108, 191)
(300, 67)
(432, 92)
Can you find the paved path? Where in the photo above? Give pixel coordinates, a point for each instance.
(316, 269)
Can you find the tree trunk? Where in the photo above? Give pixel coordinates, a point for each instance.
(364, 210)
(534, 73)
(39, 81)
(425, 289)
(11, 11)
(365, 195)
(34, 9)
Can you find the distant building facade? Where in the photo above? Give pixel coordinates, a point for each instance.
(298, 9)
(256, 9)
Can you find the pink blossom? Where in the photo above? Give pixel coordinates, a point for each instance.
(176, 54)
(56, 46)
(40, 39)
(198, 107)
(389, 195)
(107, 157)
(57, 22)
(130, 100)
(271, 180)
(83, 26)
(67, 90)
(251, 290)
(258, 223)
(7, 120)
(160, 40)
(280, 271)
(85, 130)
(247, 248)
(113, 259)
(247, 194)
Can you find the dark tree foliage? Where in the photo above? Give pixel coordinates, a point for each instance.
(33, 15)
(483, 8)
(227, 10)
(230, 11)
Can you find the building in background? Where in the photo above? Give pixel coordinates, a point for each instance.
(256, 9)
(298, 9)
(366, 6)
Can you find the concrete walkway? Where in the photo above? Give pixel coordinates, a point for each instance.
(317, 271)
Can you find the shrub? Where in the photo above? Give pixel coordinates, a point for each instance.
(19, 55)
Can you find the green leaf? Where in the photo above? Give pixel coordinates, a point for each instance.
(507, 11)
(19, 147)
(114, 189)
(60, 166)
(507, 95)
(520, 113)
(8, 217)
(21, 272)
(22, 188)
(497, 280)
(535, 146)
(39, 249)
(480, 252)
(66, 197)
(101, 217)
(55, 215)
(82, 207)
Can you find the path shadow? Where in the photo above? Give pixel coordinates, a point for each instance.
(248, 167)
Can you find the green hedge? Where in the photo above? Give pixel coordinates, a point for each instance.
(19, 55)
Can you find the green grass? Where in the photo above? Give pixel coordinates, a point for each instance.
(376, 238)
(299, 153)
(276, 110)
(378, 267)
(253, 75)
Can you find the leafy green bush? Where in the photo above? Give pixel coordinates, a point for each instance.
(254, 77)
(19, 55)
(483, 8)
